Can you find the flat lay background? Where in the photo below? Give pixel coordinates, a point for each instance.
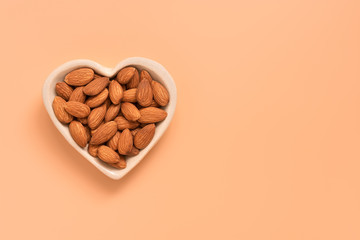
(264, 143)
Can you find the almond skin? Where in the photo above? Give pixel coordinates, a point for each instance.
(79, 77)
(145, 75)
(114, 141)
(78, 133)
(78, 95)
(97, 100)
(152, 115)
(107, 154)
(96, 116)
(144, 93)
(125, 75)
(130, 95)
(154, 104)
(116, 92)
(104, 133)
(97, 75)
(92, 149)
(92, 131)
(83, 121)
(161, 95)
(134, 151)
(125, 142)
(96, 86)
(144, 136)
(88, 133)
(112, 112)
(63, 90)
(134, 81)
(133, 132)
(77, 109)
(129, 111)
(121, 164)
(61, 114)
(123, 123)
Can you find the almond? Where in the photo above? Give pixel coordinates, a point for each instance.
(134, 81)
(107, 154)
(154, 104)
(83, 120)
(144, 136)
(123, 123)
(161, 95)
(97, 75)
(78, 95)
(134, 151)
(104, 133)
(144, 93)
(115, 92)
(97, 100)
(88, 133)
(121, 164)
(133, 132)
(79, 77)
(125, 75)
(96, 86)
(92, 131)
(61, 114)
(92, 149)
(125, 142)
(145, 75)
(63, 90)
(96, 116)
(152, 115)
(124, 87)
(112, 112)
(78, 133)
(129, 111)
(130, 95)
(77, 109)
(114, 141)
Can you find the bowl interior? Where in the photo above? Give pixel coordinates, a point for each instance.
(157, 71)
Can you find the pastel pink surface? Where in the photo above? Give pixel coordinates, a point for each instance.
(264, 143)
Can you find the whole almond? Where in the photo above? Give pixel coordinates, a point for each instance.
(125, 75)
(83, 121)
(63, 90)
(144, 136)
(92, 149)
(96, 86)
(107, 154)
(121, 164)
(78, 133)
(77, 109)
(130, 95)
(123, 123)
(152, 115)
(97, 100)
(96, 116)
(112, 112)
(129, 111)
(125, 142)
(104, 133)
(161, 95)
(79, 77)
(78, 95)
(134, 81)
(144, 93)
(114, 141)
(115, 92)
(61, 114)
(134, 151)
(133, 132)
(145, 75)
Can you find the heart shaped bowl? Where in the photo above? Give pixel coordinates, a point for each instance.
(157, 71)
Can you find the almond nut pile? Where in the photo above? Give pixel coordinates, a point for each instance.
(114, 117)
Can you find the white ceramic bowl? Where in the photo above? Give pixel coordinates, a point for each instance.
(157, 71)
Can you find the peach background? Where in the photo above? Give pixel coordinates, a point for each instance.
(264, 143)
